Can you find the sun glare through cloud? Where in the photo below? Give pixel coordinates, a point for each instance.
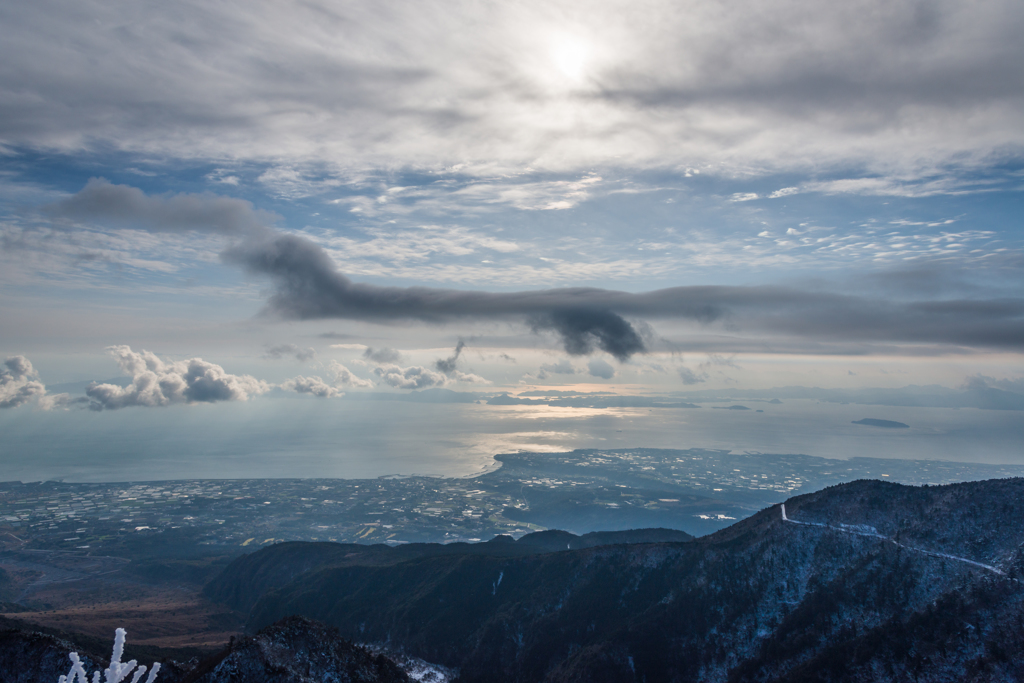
(571, 56)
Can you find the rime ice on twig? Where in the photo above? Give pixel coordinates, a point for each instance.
(115, 673)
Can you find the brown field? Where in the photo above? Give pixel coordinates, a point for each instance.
(94, 596)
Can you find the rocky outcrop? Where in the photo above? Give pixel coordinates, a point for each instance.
(296, 650)
(32, 657)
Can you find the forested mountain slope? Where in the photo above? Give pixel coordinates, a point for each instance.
(764, 599)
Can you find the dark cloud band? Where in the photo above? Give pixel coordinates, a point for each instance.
(308, 286)
(101, 200)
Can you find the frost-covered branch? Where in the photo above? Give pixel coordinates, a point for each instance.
(115, 673)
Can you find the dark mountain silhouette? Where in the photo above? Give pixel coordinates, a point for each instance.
(248, 577)
(867, 581)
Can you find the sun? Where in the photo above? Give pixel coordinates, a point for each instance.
(571, 57)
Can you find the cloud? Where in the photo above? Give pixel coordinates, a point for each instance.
(469, 378)
(307, 285)
(690, 377)
(156, 382)
(62, 401)
(345, 377)
(414, 377)
(798, 84)
(384, 355)
(719, 359)
(282, 350)
(583, 329)
(100, 201)
(975, 382)
(447, 365)
(311, 385)
(600, 368)
(562, 367)
(19, 382)
(315, 385)
(701, 375)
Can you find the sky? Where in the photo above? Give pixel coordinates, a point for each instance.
(220, 207)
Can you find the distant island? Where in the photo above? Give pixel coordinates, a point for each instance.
(731, 408)
(889, 424)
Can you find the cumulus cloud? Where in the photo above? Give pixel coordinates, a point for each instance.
(290, 350)
(447, 367)
(345, 377)
(311, 385)
(413, 377)
(600, 368)
(469, 378)
(19, 382)
(315, 385)
(156, 382)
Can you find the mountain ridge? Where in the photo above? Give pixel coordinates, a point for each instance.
(760, 590)
(273, 567)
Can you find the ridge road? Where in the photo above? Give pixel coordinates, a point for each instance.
(850, 530)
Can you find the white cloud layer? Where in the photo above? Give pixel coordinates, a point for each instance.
(486, 87)
(156, 382)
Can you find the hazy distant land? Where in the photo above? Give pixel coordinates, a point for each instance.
(888, 424)
(695, 490)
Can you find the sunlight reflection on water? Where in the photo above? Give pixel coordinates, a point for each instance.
(356, 439)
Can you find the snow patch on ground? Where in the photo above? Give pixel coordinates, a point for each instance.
(417, 669)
